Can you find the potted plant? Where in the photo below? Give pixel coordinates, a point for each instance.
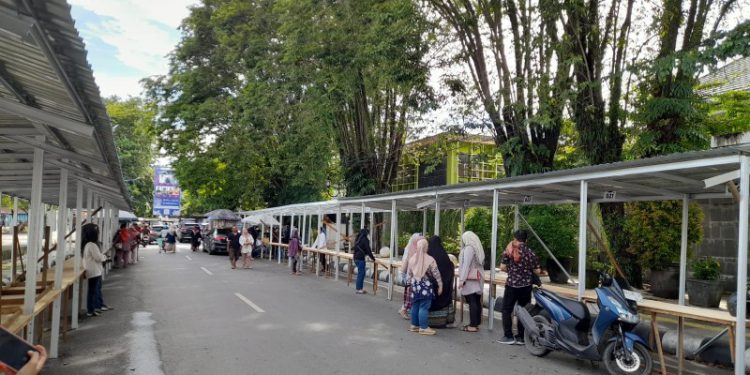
(653, 230)
(704, 288)
(732, 303)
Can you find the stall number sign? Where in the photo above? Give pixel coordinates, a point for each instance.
(610, 195)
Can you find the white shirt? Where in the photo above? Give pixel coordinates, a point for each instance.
(92, 260)
(320, 242)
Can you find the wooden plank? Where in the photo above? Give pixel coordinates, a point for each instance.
(731, 343)
(657, 338)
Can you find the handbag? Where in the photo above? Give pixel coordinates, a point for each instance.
(477, 275)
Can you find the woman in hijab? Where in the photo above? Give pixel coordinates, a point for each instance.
(442, 312)
(410, 249)
(295, 248)
(362, 249)
(423, 273)
(470, 277)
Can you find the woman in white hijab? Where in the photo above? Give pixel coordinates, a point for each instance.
(410, 249)
(424, 274)
(471, 277)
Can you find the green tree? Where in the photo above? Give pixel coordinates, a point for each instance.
(132, 123)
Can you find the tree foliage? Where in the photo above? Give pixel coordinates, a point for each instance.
(132, 121)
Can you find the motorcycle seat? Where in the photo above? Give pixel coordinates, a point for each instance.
(575, 308)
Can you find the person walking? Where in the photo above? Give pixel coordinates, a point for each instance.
(410, 249)
(171, 240)
(295, 249)
(233, 247)
(362, 249)
(520, 262)
(92, 264)
(247, 241)
(424, 274)
(470, 278)
(195, 238)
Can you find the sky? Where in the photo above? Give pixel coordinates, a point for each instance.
(128, 40)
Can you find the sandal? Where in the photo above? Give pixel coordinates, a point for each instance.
(468, 329)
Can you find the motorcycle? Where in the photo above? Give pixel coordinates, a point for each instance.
(564, 324)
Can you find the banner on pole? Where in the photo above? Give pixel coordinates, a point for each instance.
(167, 193)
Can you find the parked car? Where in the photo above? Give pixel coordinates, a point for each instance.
(186, 231)
(216, 241)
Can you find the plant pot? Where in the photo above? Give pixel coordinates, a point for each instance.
(665, 283)
(704, 293)
(556, 275)
(732, 305)
(592, 279)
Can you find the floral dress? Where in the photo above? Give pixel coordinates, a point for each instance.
(425, 288)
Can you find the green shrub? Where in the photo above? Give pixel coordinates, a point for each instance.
(706, 269)
(479, 221)
(557, 226)
(654, 231)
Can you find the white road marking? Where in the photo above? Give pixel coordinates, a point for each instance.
(188, 257)
(207, 271)
(249, 302)
(144, 354)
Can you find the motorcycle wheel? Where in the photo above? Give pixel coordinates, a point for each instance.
(531, 339)
(639, 362)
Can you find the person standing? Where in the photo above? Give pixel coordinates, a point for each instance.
(520, 262)
(441, 310)
(122, 239)
(247, 241)
(233, 247)
(321, 244)
(295, 248)
(195, 238)
(362, 249)
(171, 240)
(92, 264)
(423, 273)
(409, 250)
(470, 277)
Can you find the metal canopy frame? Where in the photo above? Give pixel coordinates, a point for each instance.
(685, 176)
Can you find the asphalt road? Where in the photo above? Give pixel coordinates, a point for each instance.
(189, 313)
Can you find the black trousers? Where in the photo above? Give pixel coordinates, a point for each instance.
(294, 264)
(521, 296)
(475, 309)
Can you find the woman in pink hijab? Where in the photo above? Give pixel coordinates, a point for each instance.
(424, 275)
(411, 249)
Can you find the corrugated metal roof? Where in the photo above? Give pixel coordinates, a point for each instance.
(44, 71)
(734, 76)
(651, 179)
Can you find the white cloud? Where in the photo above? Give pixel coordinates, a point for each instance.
(142, 32)
(122, 86)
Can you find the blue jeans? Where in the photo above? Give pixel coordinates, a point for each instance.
(94, 300)
(361, 270)
(420, 310)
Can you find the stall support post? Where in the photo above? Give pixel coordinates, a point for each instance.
(516, 218)
(683, 248)
(317, 257)
(739, 337)
(437, 215)
(62, 208)
(463, 222)
(424, 222)
(13, 270)
(493, 262)
(77, 257)
(363, 218)
(270, 239)
(36, 227)
(262, 233)
(372, 229)
(582, 219)
(338, 239)
(281, 229)
(291, 228)
(393, 246)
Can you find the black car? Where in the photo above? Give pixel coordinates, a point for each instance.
(186, 231)
(216, 241)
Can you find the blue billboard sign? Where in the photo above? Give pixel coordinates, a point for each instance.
(167, 193)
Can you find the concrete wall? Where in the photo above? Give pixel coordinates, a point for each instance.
(720, 238)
